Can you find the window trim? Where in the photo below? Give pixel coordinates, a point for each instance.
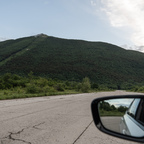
(134, 116)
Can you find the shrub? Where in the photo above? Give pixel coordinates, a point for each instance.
(59, 87)
(94, 86)
(42, 82)
(141, 89)
(33, 89)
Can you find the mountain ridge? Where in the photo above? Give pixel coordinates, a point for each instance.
(69, 59)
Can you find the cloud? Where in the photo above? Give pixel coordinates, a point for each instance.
(93, 3)
(3, 39)
(126, 14)
(134, 47)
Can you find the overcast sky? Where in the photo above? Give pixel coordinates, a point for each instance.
(119, 22)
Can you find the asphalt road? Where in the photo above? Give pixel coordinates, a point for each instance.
(112, 123)
(53, 120)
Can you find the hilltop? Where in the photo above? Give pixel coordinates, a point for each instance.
(66, 59)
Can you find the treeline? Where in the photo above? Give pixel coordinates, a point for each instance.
(35, 85)
(15, 86)
(106, 109)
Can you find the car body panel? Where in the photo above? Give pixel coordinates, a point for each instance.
(100, 125)
(130, 126)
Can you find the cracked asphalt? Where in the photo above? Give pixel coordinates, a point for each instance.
(53, 120)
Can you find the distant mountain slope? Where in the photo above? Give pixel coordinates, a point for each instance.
(71, 60)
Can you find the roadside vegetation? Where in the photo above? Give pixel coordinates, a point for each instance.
(14, 86)
(110, 110)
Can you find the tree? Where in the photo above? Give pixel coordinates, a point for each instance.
(85, 87)
(30, 76)
(94, 86)
(122, 109)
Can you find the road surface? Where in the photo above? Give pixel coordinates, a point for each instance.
(53, 120)
(112, 123)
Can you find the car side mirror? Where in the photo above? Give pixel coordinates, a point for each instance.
(120, 116)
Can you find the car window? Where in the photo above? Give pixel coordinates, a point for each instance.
(141, 112)
(133, 108)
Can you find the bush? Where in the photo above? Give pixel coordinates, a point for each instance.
(33, 89)
(79, 86)
(8, 81)
(51, 90)
(41, 82)
(59, 87)
(94, 86)
(141, 89)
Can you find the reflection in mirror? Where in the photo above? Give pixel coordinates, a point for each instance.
(123, 116)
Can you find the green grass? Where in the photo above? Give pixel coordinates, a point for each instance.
(15, 94)
(111, 113)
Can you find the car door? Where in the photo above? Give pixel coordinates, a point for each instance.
(131, 122)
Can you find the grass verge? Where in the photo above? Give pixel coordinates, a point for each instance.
(111, 113)
(11, 94)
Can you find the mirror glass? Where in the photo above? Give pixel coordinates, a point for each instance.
(125, 115)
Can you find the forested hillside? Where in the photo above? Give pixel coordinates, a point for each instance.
(71, 60)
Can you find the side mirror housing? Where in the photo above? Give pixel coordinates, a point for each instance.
(120, 116)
